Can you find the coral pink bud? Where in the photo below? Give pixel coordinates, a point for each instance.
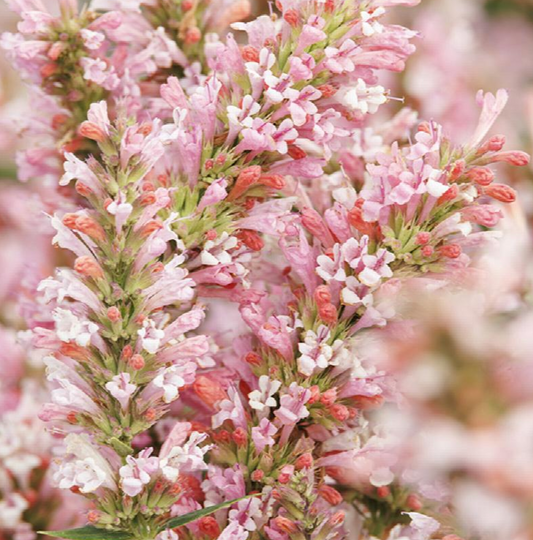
(113, 314)
(355, 219)
(337, 518)
(251, 240)
(485, 214)
(257, 475)
(274, 181)
(516, 158)
(457, 170)
(59, 120)
(451, 251)
(86, 266)
(72, 418)
(383, 491)
(449, 195)
(150, 415)
(322, 295)
(328, 397)
(209, 527)
(208, 390)
(328, 313)
(501, 193)
(209, 164)
(327, 90)
(340, 412)
(480, 175)
(90, 227)
(284, 524)
(74, 351)
(49, 69)
(222, 436)
(193, 35)
(250, 54)
(187, 5)
(246, 178)
(136, 362)
(315, 394)
(149, 228)
(69, 220)
(147, 186)
(83, 189)
(330, 495)
(414, 503)
(92, 131)
(494, 144)
(305, 461)
(427, 251)
(55, 51)
(285, 474)
(425, 127)
(127, 353)
(291, 16)
(253, 359)
(422, 238)
(240, 437)
(147, 198)
(93, 516)
(295, 152)
(314, 223)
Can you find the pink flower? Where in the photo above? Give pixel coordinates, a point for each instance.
(292, 405)
(138, 472)
(262, 435)
(121, 389)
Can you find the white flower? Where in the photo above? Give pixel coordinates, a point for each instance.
(361, 97)
(70, 328)
(185, 459)
(81, 473)
(217, 251)
(370, 26)
(316, 353)
(151, 336)
(172, 378)
(121, 388)
(262, 399)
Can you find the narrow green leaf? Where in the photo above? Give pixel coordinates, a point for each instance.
(89, 533)
(197, 514)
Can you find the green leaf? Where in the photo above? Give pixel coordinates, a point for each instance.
(193, 516)
(89, 533)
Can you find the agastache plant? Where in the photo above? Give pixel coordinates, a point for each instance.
(221, 168)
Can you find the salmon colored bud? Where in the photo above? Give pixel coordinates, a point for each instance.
(90, 227)
(285, 525)
(93, 516)
(315, 394)
(501, 193)
(208, 390)
(163, 180)
(457, 170)
(113, 314)
(330, 495)
(56, 49)
(367, 403)
(59, 120)
(193, 35)
(209, 527)
(451, 537)
(291, 16)
(322, 295)
(72, 418)
(286, 473)
(86, 266)
(187, 5)
(246, 178)
(414, 503)
(127, 353)
(356, 220)
(427, 251)
(147, 186)
(295, 152)
(329, 397)
(383, 491)
(146, 199)
(329, 6)
(92, 131)
(328, 313)
(48, 70)
(422, 238)
(274, 181)
(136, 362)
(209, 164)
(75, 351)
(240, 437)
(253, 359)
(305, 461)
(480, 175)
(69, 220)
(425, 127)
(149, 228)
(83, 190)
(222, 436)
(340, 412)
(337, 518)
(327, 90)
(251, 240)
(451, 251)
(449, 195)
(257, 475)
(250, 54)
(516, 158)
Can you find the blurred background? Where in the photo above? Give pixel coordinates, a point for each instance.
(463, 359)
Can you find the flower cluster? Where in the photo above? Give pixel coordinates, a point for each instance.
(240, 172)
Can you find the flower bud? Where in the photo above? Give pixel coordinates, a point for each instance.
(193, 35)
(291, 16)
(209, 527)
(305, 461)
(328, 313)
(257, 475)
(451, 251)
(328, 397)
(240, 437)
(113, 314)
(251, 240)
(90, 227)
(480, 175)
(422, 238)
(501, 193)
(208, 390)
(414, 503)
(136, 362)
(246, 178)
(295, 152)
(92, 131)
(383, 491)
(449, 195)
(250, 54)
(253, 359)
(330, 495)
(340, 412)
(285, 525)
(87, 266)
(516, 158)
(274, 181)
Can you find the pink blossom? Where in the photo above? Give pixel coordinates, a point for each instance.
(121, 389)
(262, 435)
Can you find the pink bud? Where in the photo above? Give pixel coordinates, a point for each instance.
(501, 193)
(422, 238)
(92, 131)
(451, 251)
(480, 175)
(113, 314)
(517, 158)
